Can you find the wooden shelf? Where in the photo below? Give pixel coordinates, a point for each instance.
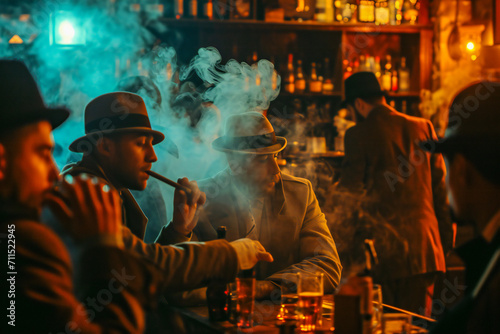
(309, 94)
(295, 25)
(309, 155)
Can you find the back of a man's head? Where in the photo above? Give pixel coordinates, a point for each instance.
(474, 128)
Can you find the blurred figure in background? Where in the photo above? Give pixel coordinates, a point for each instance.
(471, 148)
(404, 189)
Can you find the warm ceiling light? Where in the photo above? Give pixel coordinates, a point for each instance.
(470, 46)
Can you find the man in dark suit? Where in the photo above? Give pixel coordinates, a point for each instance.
(403, 190)
(471, 148)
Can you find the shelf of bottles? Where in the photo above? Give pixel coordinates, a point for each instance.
(381, 14)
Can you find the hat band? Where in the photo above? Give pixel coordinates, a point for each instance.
(118, 122)
(251, 142)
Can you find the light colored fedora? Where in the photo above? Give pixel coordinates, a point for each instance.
(251, 133)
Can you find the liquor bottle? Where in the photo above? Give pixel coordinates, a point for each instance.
(362, 64)
(378, 69)
(381, 12)
(348, 70)
(315, 85)
(346, 12)
(410, 11)
(217, 292)
(193, 8)
(320, 14)
(387, 75)
(290, 77)
(208, 9)
(404, 76)
(327, 78)
(300, 80)
(394, 81)
(392, 12)
(178, 8)
(366, 11)
(404, 107)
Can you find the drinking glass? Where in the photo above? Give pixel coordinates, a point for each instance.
(289, 300)
(245, 287)
(310, 291)
(377, 308)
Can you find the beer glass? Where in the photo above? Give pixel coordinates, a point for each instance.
(289, 300)
(310, 291)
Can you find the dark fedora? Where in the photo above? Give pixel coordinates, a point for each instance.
(21, 100)
(251, 133)
(114, 113)
(361, 85)
(474, 123)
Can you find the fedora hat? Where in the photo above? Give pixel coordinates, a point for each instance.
(21, 100)
(250, 133)
(473, 124)
(361, 85)
(114, 113)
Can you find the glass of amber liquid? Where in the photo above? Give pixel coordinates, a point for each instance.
(245, 303)
(310, 291)
(289, 300)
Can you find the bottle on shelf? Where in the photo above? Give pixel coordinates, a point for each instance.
(381, 12)
(327, 78)
(290, 77)
(387, 75)
(300, 80)
(392, 11)
(410, 11)
(208, 9)
(394, 81)
(362, 64)
(193, 8)
(315, 85)
(404, 76)
(366, 11)
(320, 14)
(218, 292)
(378, 69)
(347, 69)
(178, 8)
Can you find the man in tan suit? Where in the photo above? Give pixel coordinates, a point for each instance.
(253, 199)
(405, 194)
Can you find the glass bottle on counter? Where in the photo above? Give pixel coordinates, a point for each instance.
(328, 82)
(217, 292)
(404, 76)
(290, 77)
(366, 11)
(381, 12)
(378, 69)
(300, 80)
(315, 85)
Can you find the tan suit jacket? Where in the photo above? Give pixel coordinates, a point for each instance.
(406, 187)
(294, 229)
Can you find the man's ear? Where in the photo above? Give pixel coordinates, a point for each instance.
(105, 147)
(3, 162)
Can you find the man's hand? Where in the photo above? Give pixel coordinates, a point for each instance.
(87, 208)
(250, 252)
(185, 206)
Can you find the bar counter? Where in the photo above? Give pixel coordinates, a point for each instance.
(180, 320)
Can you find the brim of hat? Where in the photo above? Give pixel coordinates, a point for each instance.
(347, 102)
(83, 143)
(55, 116)
(219, 145)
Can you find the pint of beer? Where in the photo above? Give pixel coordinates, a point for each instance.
(310, 291)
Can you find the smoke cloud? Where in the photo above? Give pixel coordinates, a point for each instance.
(118, 45)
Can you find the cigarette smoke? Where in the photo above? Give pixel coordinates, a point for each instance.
(119, 46)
